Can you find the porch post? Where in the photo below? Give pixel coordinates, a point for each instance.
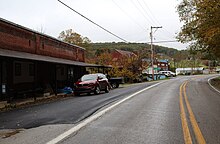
(1, 79)
(55, 79)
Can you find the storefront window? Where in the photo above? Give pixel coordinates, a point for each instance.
(17, 69)
(31, 70)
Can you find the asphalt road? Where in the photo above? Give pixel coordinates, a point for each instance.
(154, 117)
(180, 110)
(68, 111)
(150, 117)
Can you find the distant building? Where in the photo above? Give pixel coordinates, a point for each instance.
(118, 56)
(159, 65)
(163, 65)
(189, 71)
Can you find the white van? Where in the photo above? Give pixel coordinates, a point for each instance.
(168, 73)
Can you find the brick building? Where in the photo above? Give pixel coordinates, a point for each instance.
(159, 65)
(33, 62)
(118, 56)
(163, 65)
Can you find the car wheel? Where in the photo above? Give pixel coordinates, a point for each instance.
(107, 89)
(114, 85)
(97, 90)
(117, 85)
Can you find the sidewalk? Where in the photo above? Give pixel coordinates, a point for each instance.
(4, 106)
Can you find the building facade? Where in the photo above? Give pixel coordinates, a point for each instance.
(31, 62)
(163, 65)
(120, 56)
(159, 65)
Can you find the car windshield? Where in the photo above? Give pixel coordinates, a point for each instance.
(89, 77)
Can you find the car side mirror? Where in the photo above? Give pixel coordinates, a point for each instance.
(99, 78)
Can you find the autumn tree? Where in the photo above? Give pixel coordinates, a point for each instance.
(201, 27)
(72, 37)
(102, 59)
(128, 67)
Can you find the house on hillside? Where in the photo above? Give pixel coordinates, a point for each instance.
(163, 65)
(159, 65)
(118, 56)
(32, 62)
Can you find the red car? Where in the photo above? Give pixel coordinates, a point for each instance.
(92, 83)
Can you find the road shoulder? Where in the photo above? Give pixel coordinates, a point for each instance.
(215, 83)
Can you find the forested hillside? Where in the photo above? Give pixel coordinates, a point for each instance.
(134, 47)
(100, 53)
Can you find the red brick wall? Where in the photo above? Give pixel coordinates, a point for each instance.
(116, 55)
(54, 48)
(14, 37)
(80, 55)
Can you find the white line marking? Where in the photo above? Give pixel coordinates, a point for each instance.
(94, 117)
(211, 85)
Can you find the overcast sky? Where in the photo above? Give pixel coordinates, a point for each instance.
(129, 19)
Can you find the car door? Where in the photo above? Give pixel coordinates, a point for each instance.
(102, 81)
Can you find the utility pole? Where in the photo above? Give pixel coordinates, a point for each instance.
(152, 50)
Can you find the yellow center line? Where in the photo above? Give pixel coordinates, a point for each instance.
(199, 137)
(186, 133)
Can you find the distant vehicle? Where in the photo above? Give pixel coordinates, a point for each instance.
(92, 83)
(168, 73)
(115, 81)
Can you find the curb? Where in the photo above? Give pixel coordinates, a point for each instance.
(212, 85)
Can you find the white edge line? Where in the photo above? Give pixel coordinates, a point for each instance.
(211, 85)
(94, 117)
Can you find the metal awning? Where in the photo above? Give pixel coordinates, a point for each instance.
(29, 56)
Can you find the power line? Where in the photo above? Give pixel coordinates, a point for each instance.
(92, 21)
(152, 20)
(164, 41)
(128, 15)
(151, 12)
(141, 12)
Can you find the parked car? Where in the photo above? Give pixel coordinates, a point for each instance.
(92, 83)
(168, 73)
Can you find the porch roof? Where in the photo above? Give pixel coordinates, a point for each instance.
(29, 56)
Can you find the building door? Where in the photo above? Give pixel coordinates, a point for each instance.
(70, 76)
